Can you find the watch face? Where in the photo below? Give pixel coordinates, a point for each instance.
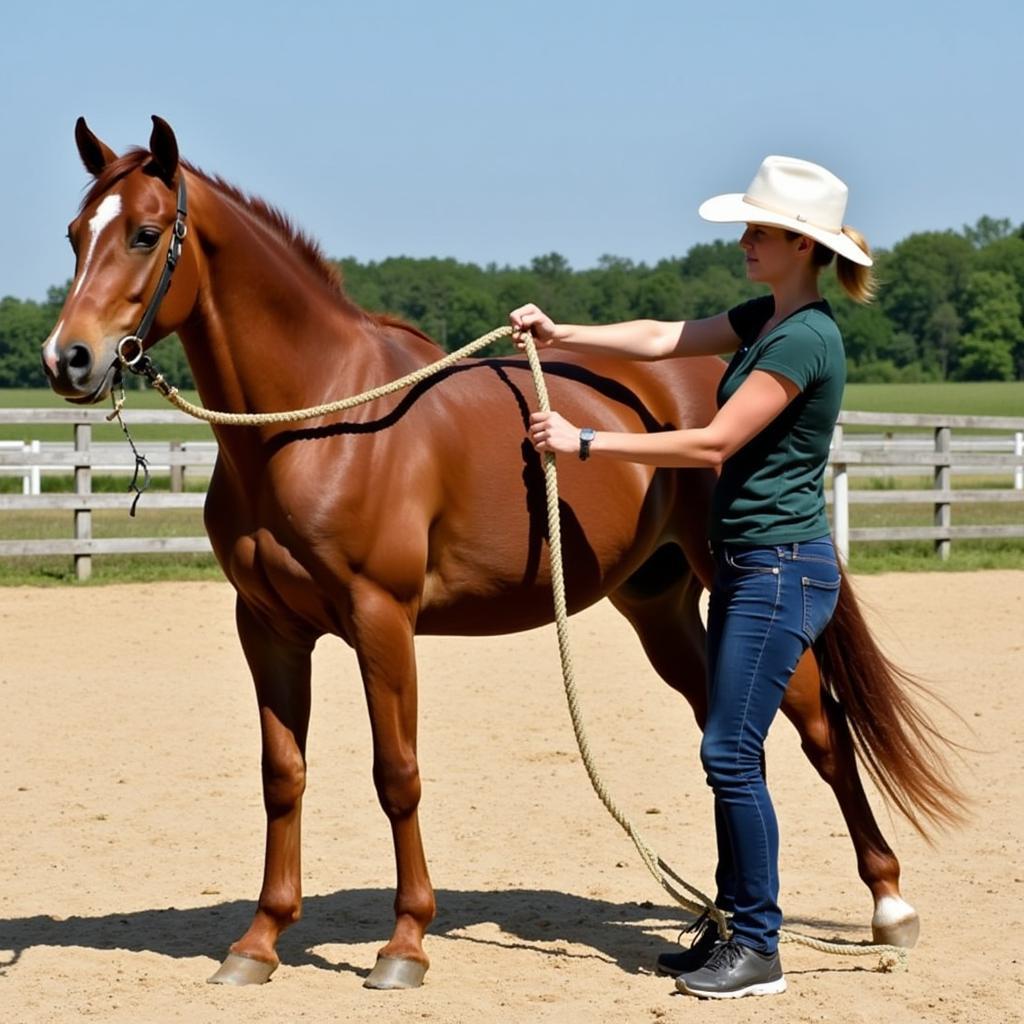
(587, 434)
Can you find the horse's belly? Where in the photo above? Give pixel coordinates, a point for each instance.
(490, 569)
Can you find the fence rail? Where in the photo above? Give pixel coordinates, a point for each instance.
(1000, 452)
(944, 457)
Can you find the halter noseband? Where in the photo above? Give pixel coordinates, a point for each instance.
(178, 233)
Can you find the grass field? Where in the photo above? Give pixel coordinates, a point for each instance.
(994, 399)
(968, 398)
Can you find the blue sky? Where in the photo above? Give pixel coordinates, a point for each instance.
(498, 132)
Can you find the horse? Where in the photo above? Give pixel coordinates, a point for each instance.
(425, 513)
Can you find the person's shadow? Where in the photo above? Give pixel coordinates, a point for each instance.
(629, 935)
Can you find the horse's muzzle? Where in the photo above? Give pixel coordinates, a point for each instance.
(78, 376)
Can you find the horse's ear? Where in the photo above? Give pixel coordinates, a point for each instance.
(164, 148)
(95, 154)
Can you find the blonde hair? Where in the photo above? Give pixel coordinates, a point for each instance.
(859, 282)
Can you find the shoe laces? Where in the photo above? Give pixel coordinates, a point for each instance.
(724, 956)
(698, 927)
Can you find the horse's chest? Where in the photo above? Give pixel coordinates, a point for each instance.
(273, 576)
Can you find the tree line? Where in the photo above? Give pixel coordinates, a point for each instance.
(950, 304)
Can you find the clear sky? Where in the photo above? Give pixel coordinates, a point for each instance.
(497, 132)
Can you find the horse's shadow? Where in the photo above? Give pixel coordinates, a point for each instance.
(628, 935)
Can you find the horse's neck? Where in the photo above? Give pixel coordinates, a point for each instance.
(270, 334)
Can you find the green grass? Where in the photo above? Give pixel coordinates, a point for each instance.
(966, 398)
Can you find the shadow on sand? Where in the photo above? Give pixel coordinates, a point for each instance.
(629, 935)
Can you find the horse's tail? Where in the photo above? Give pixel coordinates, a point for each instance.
(902, 750)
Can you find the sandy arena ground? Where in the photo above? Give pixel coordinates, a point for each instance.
(133, 829)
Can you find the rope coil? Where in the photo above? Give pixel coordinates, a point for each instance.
(891, 958)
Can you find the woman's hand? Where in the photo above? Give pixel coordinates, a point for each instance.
(550, 432)
(529, 320)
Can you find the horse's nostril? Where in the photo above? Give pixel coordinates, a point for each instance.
(79, 357)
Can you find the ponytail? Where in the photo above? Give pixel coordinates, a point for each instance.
(858, 281)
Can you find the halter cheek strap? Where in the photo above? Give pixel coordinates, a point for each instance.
(131, 357)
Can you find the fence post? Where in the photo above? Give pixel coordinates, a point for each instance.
(840, 500)
(35, 482)
(83, 485)
(1018, 450)
(177, 471)
(943, 481)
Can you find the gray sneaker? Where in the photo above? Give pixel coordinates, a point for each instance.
(686, 960)
(732, 971)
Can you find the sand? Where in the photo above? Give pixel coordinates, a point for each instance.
(133, 827)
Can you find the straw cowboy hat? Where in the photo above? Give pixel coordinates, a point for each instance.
(794, 194)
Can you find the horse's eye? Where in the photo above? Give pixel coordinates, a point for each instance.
(145, 238)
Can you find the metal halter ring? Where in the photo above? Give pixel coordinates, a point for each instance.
(137, 358)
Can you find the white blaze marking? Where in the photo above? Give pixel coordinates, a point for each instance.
(50, 348)
(105, 213)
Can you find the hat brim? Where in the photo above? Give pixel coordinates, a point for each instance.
(733, 208)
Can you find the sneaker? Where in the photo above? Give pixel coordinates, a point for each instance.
(732, 971)
(686, 960)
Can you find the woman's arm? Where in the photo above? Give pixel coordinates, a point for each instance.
(634, 339)
(758, 400)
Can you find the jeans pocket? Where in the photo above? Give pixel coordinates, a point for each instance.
(820, 598)
(751, 560)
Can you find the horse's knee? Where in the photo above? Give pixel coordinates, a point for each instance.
(284, 781)
(398, 786)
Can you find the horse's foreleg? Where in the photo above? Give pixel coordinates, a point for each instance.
(281, 672)
(829, 747)
(384, 644)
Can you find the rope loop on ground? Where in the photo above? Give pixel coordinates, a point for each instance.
(891, 958)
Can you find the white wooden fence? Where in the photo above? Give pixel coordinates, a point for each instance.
(999, 453)
(32, 460)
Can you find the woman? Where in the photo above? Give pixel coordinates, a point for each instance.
(776, 576)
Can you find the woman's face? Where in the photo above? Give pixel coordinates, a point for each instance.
(771, 254)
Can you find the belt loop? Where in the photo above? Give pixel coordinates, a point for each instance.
(796, 550)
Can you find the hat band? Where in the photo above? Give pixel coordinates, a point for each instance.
(748, 198)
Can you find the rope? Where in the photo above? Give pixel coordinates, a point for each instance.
(891, 958)
(254, 419)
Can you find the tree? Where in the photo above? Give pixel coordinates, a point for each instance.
(921, 274)
(988, 230)
(995, 332)
(24, 326)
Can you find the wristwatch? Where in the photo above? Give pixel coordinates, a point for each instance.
(587, 434)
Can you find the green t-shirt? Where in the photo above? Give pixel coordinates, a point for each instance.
(771, 491)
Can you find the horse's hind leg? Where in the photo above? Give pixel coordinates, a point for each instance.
(281, 673)
(826, 740)
(660, 601)
(383, 638)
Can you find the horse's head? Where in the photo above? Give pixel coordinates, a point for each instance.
(127, 238)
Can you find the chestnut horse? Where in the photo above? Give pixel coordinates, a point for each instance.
(423, 512)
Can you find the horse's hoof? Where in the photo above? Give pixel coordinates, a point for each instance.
(395, 972)
(895, 923)
(239, 969)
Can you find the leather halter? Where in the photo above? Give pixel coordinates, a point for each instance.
(178, 232)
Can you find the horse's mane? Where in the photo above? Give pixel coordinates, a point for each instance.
(278, 222)
(297, 240)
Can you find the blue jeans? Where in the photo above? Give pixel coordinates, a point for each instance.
(767, 606)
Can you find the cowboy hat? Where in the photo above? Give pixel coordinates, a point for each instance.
(793, 194)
